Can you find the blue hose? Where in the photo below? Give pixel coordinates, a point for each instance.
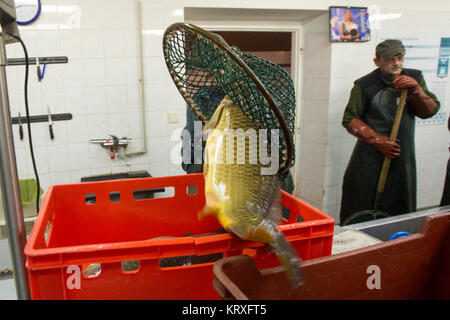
(399, 234)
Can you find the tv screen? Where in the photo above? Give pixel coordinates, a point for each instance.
(349, 24)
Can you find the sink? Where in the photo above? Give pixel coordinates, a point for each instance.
(138, 195)
(117, 176)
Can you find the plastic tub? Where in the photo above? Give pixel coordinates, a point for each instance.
(106, 223)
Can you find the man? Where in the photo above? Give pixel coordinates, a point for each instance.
(369, 116)
(445, 200)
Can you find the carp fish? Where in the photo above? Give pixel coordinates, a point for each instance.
(244, 201)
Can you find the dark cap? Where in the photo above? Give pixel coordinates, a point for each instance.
(389, 48)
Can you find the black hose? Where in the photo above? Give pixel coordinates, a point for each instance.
(28, 118)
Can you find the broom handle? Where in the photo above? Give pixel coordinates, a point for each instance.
(393, 137)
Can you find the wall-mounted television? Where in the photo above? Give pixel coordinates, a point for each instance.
(349, 24)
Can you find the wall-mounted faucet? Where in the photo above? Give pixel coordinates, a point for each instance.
(113, 144)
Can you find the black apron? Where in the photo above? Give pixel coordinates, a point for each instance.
(445, 200)
(362, 174)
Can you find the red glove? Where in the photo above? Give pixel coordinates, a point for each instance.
(419, 102)
(362, 131)
(390, 149)
(405, 82)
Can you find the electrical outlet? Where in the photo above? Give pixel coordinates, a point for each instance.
(172, 117)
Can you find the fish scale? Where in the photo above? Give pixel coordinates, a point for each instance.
(244, 201)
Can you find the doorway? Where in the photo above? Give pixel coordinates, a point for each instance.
(272, 46)
(274, 35)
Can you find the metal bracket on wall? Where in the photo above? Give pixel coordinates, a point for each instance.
(43, 118)
(32, 60)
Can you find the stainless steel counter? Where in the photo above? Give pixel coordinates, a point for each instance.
(383, 229)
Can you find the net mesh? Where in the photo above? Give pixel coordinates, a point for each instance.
(204, 72)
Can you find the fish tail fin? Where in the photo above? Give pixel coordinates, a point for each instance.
(288, 258)
(268, 233)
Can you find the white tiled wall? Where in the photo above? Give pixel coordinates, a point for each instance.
(431, 156)
(348, 62)
(351, 61)
(314, 111)
(328, 75)
(100, 87)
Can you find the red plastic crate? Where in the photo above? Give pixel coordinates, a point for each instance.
(114, 229)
